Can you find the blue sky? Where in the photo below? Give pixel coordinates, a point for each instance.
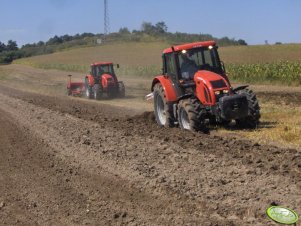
(28, 21)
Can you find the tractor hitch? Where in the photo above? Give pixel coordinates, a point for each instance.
(149, 96)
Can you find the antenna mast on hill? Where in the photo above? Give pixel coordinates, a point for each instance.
(106, 19)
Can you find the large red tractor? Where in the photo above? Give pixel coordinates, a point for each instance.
(102, 80)
(194, 91)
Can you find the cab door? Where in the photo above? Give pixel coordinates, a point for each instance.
(170, 70)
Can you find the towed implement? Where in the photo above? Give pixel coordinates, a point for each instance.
(194, 91)
(75, 88)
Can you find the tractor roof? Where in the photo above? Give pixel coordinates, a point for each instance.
(100, 63)
(189, 46)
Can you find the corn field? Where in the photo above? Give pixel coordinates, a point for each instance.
(285, 72)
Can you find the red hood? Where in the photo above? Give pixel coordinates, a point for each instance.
(207, 76)
(209, 82)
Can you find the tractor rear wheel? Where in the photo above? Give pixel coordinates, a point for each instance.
(89, 91)
(97, 92)
(192, 115)
(252, 120)
(163, 111)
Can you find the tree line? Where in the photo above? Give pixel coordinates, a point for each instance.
(9, 51)
(148, 32)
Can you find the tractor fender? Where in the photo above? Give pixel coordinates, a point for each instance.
(90, 80)
(167, 85)
(240, 88)
(184, 97)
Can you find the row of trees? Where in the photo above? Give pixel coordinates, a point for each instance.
(9, 52)
(10, 46)
(56, 40)
(159, 31)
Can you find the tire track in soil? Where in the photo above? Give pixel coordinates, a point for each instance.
(82, 192)
(141, 207)
(220, 176)
(30, 187)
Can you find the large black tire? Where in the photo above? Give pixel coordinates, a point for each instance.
(69, 93)
(97, 90)
(121, 89)
(163, 111)
(112, 92)
(252, 120)
(192, 115)
(89, 91)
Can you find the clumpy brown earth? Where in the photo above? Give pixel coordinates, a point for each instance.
(69, 162)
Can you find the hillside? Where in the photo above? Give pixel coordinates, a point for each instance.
(270, 63)
(148, 53)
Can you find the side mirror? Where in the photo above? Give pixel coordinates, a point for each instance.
(117, 65)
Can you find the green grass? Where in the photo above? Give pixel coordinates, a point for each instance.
(269, 64)
(3, 77)
(4, 74)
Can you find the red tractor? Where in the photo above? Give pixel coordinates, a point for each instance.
(194, 91)
(102, 80)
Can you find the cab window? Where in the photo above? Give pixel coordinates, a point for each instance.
(170, 65)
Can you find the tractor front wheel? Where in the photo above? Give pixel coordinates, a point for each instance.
(192, 115)
(163, 111)
(121, 89)
(69, 93)
(112, 92)
(89, 91)
(97, 92)
(252, 120)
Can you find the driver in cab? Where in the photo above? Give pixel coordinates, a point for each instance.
(188, 66)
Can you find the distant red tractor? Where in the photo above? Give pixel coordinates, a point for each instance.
(194, 91)
(102, 80)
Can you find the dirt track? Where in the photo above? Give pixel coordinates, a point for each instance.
(67, 162)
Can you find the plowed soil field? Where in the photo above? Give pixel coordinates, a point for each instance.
(65, 161)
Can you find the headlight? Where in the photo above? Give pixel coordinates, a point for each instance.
(225, 91)
(217, 92)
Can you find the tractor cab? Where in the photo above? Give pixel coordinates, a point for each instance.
(99, 69)
(180, 63)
